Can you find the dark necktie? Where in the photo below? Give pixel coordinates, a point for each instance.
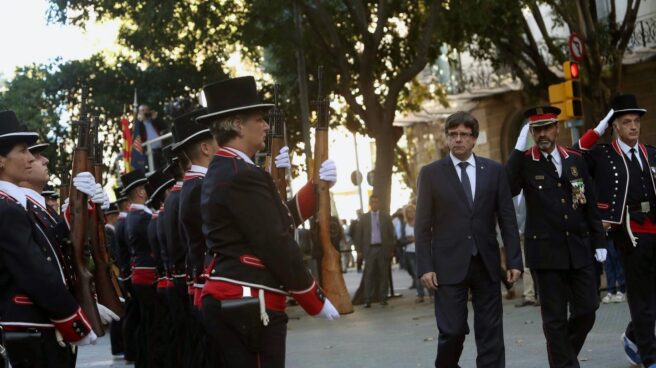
(634, 158)
(553, 164)
(466, 184)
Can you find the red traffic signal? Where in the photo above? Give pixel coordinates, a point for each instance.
(571, 70)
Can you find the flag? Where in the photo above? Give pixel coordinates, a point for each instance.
(127, 143)
(137, 157)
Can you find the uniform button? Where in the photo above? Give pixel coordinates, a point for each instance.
(48, 259)
(559, 185)
(468, 236)
(614, 195)
(534, 237)
(562, 200)
(617, 181)
(613, 202)
(615, 188)
(616, 174)
(213, 271)
(539, 186)
(614, 168)
(567, 233)
(565, 217)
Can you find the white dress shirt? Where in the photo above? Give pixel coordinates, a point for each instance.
(471, 170)
(240, 154)
(627, 151)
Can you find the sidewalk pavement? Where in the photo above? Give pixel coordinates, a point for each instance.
(403, 334)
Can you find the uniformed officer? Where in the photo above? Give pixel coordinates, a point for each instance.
(142, 263)
(249, 232)
(51, 196)
(130, 320)
(159, 185)
(563, 233)
(624, 180)
(36, 306)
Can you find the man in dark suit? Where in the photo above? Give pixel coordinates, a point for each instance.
(562, 229)
(459, 201)
(375, 236)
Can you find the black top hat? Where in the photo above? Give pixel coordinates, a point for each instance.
(132, 180)
(186, 130)
(49, 192)
(13, 132)
(120, 196)
(159, 181)
(625, 104)
(38, 148)
(231, 96)
(541, 115)
(113, 209)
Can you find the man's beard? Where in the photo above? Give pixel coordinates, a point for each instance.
(545, 144)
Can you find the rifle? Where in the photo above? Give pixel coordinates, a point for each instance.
(276, 142)
(63, 187)
(106, 284)
(331, 272)
(83, 282)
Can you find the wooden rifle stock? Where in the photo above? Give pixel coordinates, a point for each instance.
(106, 284)
(276, 142)
(82, 285)
(331, 271)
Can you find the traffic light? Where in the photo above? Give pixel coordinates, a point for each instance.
(567, 95)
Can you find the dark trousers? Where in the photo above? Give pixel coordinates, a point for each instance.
(451, 315)
(116, 337)
(224, 337)
(560, 289)
(376, 272)
(39, 351)
(146, 296)
(640, 272)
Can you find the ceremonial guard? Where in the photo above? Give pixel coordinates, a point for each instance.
(159, 185)
(38, 313)
(624, 172)
(52, 197)
(563, 229)
(116, 327)
(142, 263)
(249, 233)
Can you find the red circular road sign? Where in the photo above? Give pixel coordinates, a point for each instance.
(576, 47)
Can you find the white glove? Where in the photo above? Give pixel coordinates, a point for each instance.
(105, 204)
(98, 196)
(328, 311)
(86, 340)
(522, 138)
(65, 206)
(282, 160)
(600, 254)
(85, 183)
(106, 314)
(328, 172)
(603, 124)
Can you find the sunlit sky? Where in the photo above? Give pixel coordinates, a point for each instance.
(28, 38)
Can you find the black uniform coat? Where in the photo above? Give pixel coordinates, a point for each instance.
(136, 230)
(249, 230)
(33, 283)
(557, 236)
(122, 250)
(609, 167)
(192, 229)
(176, 248)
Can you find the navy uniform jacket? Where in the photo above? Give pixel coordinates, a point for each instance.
(33, 283)
(155, 245)
(250, 231)
(122, 250)
(176, 248)
(161, 237)
(609, 168)
(136, 231)
(192, 229)
(557, 236)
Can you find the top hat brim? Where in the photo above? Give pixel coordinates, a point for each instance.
(134, 184)
(11, 139)
(618, 113)
(164, 185)
(38, 148)
(192, 138)
(205, 119)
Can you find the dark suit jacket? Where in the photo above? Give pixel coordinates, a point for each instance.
(557, 236)
(363, 233)
(446, 225)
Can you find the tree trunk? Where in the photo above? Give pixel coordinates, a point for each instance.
(383, 166)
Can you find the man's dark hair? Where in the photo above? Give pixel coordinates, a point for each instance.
(373, 196)
(463, 118)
